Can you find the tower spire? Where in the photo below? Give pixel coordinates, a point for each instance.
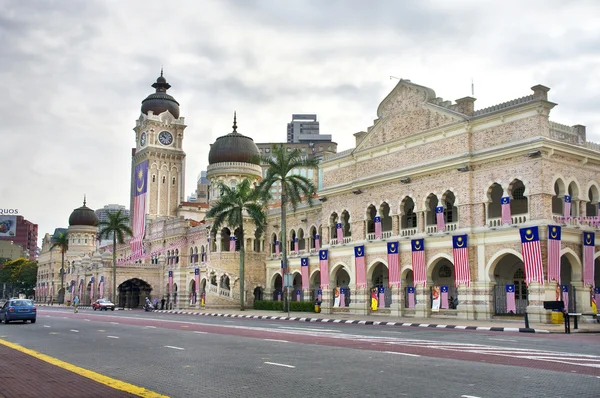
(84, 199)
(234, 122)
(161, 71)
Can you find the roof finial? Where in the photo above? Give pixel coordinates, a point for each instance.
(234, 122)
(161, 71)
(84, 199)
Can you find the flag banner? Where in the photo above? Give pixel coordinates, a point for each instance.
(377, 221)
(565, 296)
(359, 264)
(278, 295)
(324, 268)
(381, 297)
(532, 255)
(342, 297)
(435, 299)
(439, 218)
(296, 245)
(595, 299)
(589, 249)
(298, 296)
(317, 242)
(511, 305)
(374, 299)
(567, 206)
(554, 239)
(170, 282)
(411, 296)
(460, 252)
(232, 243)
(319, 295)
(304, 272)
(340, 233)
(282, 275)
(139, 207)
(197, 282)
(81, 290)
(336, 297)
(393, 255)
(101, 287)
(418, 261)
(505, 205)
(277, 248)
(444, 297)
(92, 280)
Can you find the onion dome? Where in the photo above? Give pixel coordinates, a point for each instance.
(160, 101)
(83, 216)
(234, 147)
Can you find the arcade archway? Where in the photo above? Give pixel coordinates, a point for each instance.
(133, 292)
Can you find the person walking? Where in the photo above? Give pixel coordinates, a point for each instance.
(155, 303)
(76, 304)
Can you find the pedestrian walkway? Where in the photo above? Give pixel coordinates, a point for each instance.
(25, 375)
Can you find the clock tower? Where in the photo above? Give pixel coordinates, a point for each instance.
(159, 138)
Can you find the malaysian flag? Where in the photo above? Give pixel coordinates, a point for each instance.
(418, 261)
(393, 256)
(317, 242)
(511, 305)
(170, 283)
(296, 244)
(411, 296)
(139, 207)
(565, 296)
(72, 290)
(340, 232)
(101, 287)
(342, 297)
(554, 238)
(304, 272)
(319, 295)
(381, 297)
(439, 217)
(298, 295)
(377, 221)
(324, 268)
(589, 248)
(197, 282)
(505, 205)
(444, 296)
(92, 280)
(277, 248)
(81, 290)
(460, 251)
(532, 255)
(567, 206)
(359, 264)
(232, 243)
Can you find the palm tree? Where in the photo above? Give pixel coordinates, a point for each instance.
(117, 225)
(62, 242)
(294, 187)
(229, 209)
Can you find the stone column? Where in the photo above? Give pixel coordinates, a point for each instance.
(465, 309)
(422, 305)
(326, 301)
(536, 294)
(483, 300)
(420, 222)
(395, 225)
(360, 303)
(397, 302)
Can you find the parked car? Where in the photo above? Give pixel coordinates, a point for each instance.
(18, 310)
(103, 304)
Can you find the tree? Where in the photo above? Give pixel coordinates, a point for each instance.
(117, 225)
(230, 208)
(294, 187)
(62, 242)
(20, 275)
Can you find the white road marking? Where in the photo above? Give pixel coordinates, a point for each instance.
(173, 347)
(115, 323)
(276, 341)
(502, 340)
(87, 320)
(280, 364)
(402, 353)
(200, 332)
(151, 327)
(311, 329)
(469, 396)
(46, 326)
(73, 330)
(113, 337)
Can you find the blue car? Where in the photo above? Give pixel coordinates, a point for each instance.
(18, 310)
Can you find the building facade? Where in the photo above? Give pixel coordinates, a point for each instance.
(304, 128)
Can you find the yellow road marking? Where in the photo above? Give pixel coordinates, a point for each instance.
(108, 381)
(102, 330)
(52, 333)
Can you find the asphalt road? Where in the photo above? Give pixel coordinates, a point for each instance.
(190, 356)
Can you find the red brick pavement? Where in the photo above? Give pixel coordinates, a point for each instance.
(25, 376)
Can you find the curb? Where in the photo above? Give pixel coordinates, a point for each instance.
(355, 322)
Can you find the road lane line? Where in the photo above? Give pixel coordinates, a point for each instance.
(151, 327)
(200, 332)
(514, 341)
(115, 323)
(73, 330)
(173, 347)
(280, 364)
(100, 378)
(113, 337)
(276, 341)
(46, 326)
(87, 320)
(402, 353)
(469, 396)
(311, 329)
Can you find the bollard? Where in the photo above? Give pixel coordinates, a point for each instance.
(526, 321)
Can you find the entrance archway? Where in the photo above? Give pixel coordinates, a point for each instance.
(258, 293)
(315, 284)
(133, 292)
(379, 279)
(193, 293)
(277, 288)
(442, 274)
(510, 270)
(341, 281)
(297, 293)
(61, 296)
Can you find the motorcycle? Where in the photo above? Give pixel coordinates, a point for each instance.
(148, 307)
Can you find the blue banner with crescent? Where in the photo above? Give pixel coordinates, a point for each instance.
(359, 251)
(141, 178)
(418, 245)
(459, 242)
(529, 234)
(589, 239)
(392, 247)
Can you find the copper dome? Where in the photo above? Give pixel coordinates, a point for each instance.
(234, 147)
(160, 101)
(83, 216)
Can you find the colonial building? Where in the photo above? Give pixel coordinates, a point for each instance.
(427, 171)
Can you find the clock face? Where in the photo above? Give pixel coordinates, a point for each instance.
(165, 138)
(143, 139)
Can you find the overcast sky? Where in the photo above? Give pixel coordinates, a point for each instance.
(75, 72)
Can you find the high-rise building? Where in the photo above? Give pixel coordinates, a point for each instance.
(202, 187)
(25, 236)
(304, 128)
(103, 213)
